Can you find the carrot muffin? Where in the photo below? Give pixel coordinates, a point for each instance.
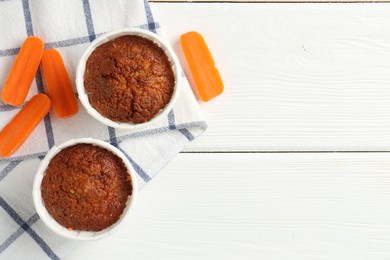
(129, 79)
(86, 187)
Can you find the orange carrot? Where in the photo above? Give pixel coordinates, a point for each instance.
(58, 84)
(23, 71)
(202, 66)
(19, 128)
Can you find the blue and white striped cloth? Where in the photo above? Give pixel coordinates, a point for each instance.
(70, 26)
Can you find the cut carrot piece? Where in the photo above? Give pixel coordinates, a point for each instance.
(13, 135)
(58, 84)
(23, 72)
(202, 66)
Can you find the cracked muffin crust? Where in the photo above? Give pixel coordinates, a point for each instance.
(86, 187)
(129, 79)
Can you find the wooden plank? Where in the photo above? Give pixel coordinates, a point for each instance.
(297, 76)
(258, 206)
(270, 1)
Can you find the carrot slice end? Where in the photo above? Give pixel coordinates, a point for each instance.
(205, 75)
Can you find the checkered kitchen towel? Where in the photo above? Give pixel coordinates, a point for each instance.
(70, 26)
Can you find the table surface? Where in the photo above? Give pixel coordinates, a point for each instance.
(295, 163)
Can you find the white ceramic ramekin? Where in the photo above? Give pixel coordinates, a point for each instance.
(83, 96)
(50, 222)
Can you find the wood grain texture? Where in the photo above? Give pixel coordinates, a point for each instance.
(297, 76)
(258, 206)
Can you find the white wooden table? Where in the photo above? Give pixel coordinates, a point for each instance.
(295, 163)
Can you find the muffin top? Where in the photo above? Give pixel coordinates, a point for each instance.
(86, 187)
(129, 79)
